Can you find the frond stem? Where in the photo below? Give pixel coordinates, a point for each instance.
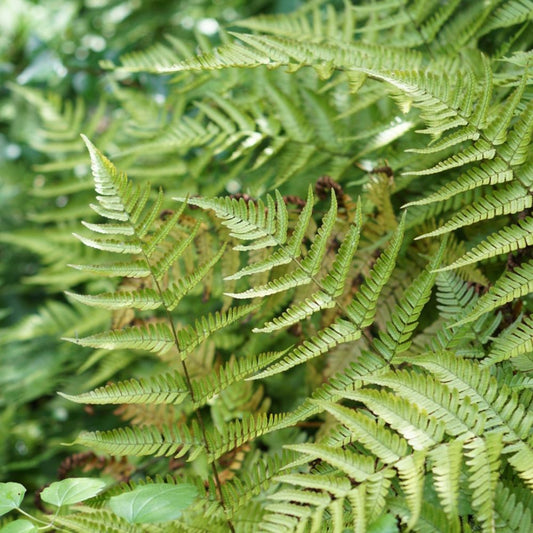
(188, 381)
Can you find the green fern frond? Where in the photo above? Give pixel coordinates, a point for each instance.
(483, 462)
(339, 332)
(405, 317)
(356, 466)
(102, 520)
(511, 199)
(384, 443)
(172, 388)
(239, 491)
(459, 416)
(455, 297)
(360, 313)
(510, 13)
(239, 431)
(362, 309)
(411, 474)
(510, 286)
(476, 383)
(165, 388)
(486, 174)
(504, 413)
(134, 269)
(191, 336)
(309, 266)
(147, 440)
(333, 284)
(309, 22)
(513, 512)
(156, 338)
(418, 429)
(507, 240)
(516, 340)
(266, 225)
(446, 462)
(285, 254)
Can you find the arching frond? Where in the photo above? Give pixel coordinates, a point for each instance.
(148, 440)
(507, 240)
(510, 286)
(517, 339)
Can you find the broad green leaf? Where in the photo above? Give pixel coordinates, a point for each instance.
(19, 526)
(72, 490)
(11, 496)
(158, 502)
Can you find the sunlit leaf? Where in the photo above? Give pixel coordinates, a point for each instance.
(72, 490)
(11, 496)
(158, 502)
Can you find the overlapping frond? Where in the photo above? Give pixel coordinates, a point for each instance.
(510, 286)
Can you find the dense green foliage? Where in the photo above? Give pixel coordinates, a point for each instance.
(360, 176)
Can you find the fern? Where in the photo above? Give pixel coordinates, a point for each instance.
(378, 378)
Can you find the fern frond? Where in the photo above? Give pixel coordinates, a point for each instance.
(88, 519)
(508, 239)
(418, 428)
(362, 309)
(411, 474)
(287, 253)
(384, 443)
(459, 416)
(446, 461)
(476, 383)
(485, 174)
(191, 336)
(309, 266)
(397, 337)
(156, 338)
(504, 412)
(265, 224)
(164, 388)
(510, 13)
(510, 286)
(333, 284)
(483, 462)
(147, 440)
(511, 199)
(133, 269)
(309, 22)
(239, 491)
(355, 466)
(513, 512)
(516, 340)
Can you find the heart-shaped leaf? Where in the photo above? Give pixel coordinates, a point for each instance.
(72, 490)
(19, 526)
(157, 502)
(11, 496)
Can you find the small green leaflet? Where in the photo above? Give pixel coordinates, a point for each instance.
(72, 490)
(157, 502)
(11, 496)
